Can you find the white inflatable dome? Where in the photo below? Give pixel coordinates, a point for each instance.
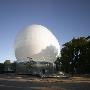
(38, 43)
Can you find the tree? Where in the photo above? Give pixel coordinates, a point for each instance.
(1, 68)
(58, 64)
(7, 66)
(75, 55)
(7, 62)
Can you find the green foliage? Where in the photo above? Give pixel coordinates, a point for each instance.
(1, 68)
(7, 66)
(58, 64)
(75, 55)
(7, 62)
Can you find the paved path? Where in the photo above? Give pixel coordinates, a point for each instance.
(30, 85)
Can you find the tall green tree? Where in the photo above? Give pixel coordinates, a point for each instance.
(75, 55)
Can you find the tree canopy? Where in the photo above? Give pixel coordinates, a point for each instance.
(75, 55)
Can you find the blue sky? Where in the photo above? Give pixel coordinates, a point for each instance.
(65, 18)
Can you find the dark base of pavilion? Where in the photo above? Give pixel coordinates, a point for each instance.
(35, 68)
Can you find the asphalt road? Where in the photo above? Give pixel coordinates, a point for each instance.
(29, 85)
